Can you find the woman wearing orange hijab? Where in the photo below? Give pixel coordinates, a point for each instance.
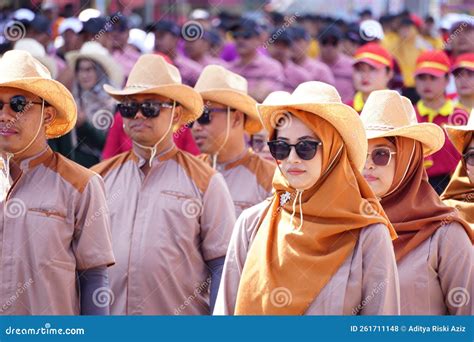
(322, 244)
(434, 253)
(460, 191)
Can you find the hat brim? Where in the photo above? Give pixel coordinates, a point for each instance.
(342, 117)
(57, 96)
(431, 136)
(110, 66)
(370, 62)
(457, 135)
(237, 100)
(183, 94)
(430, 71)
(457, 67)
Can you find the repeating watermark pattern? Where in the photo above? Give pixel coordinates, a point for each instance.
(281, 297)
(108, 25)
(459, 118)
(369, 297)
(198, 289)
(369, 207)
(370, 30)
(288, 22)
(454, 34)
(103, 297)
(192, 30)
(281, 120)
(21, 288)
(103, 210)
(14, 30)
(191, 208)
(15, 208)
(103, 119)
(458, 297)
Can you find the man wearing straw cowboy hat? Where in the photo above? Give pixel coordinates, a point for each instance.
(219, 132)
(54, 223)
(173, 221)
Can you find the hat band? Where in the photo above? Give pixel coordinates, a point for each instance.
(465, 64)
(434, 65)
(373, 56)
(379, 127)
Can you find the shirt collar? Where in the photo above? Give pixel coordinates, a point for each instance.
(445, 110)
(37, 159)
(163, 156)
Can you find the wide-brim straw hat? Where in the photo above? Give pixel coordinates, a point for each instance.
(151, 74)
(39, 52)
(19, 69)
(388, 114)
(99, 54)
(457, 134)
(217, 84)
(323, 100)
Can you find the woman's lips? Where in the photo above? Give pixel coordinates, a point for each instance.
(6, 132)
(295, 172)
(370, 178)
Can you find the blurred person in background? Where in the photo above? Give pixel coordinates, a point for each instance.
(316, 70)
(69, 32)
(430, 34)
(199, 50)
(280, 48)
(330, 40)
(463, 71)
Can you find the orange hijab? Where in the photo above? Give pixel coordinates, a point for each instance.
(412, 205)
(287, 265)
(460, 192)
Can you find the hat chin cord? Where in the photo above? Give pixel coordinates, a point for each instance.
(154, 147)
(5, 181)
(227, 133)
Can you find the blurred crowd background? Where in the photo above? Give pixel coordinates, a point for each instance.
(275, 45)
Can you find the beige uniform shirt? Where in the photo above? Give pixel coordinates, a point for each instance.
(436, 278)
(249, 180)
(165, 226)
(365, 284)
(54, 222)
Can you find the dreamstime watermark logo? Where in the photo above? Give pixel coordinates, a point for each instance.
(192, 30)
(370, 30)
(14, 30)
(458, 297)
(370, 208)
(15, 208)
(281, 297)
(198, 289)
(288, 22)
(455, 33)
(191, 208)
(369, 297)
(103, 119)
(103, 210)
(21, 288)
(281, 120)
(458, 118)
(108, 25)
(103, 297)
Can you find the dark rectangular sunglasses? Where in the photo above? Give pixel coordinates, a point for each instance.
(206, 116)
(305, 149)
(381, 156)
(19, 103)
(149, 109)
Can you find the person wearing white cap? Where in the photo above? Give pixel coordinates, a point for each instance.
(69, 30)
(56, 242)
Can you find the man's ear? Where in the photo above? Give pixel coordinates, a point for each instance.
(238, 119)
(178, 114)
(49, 115)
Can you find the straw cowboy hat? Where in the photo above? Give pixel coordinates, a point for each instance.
(19, 69)
(387, 114)
(217, 84)
(457, 134)
(324, 101)
(99, 54)
(151, 74)
(39, 52)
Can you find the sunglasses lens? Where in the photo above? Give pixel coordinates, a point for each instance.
(205, 118)
(469, 158)
(381, 157)
(306, 150)
(150, 110)
(18, 103)
(127, 110)
(280, 150)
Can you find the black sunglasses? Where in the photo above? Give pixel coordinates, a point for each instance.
(149, 109)
(19, 103)
(243, 34)
(381, 156)
(469, 158)
(206, 116)
(305, 149)
(332, 42)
